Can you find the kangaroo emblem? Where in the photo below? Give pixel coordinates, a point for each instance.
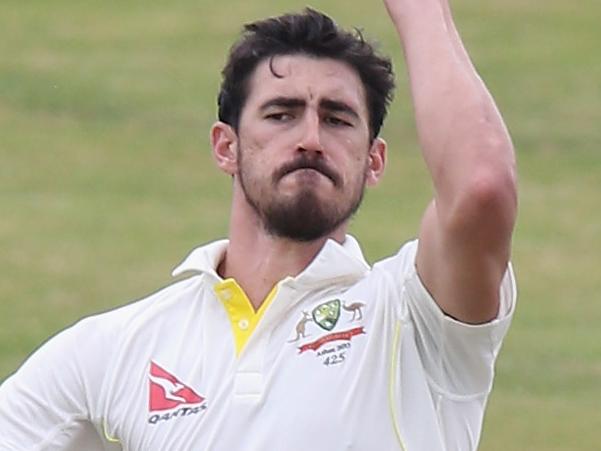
(300, 327)
(355, 308)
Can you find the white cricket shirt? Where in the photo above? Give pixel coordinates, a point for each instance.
(342, 357)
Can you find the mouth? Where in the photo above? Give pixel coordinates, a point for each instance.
(309, 168)
(308, 171)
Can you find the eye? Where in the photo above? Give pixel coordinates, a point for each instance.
(337, 121)
(279, 117)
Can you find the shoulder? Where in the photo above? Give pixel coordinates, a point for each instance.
(173, 299)
(397, 268)
(402, 262)
(92, 341)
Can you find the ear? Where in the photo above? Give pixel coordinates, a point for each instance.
(224, 142)
(376, 162)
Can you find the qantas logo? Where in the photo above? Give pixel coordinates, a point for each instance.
(169, 393)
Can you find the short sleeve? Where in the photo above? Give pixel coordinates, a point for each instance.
(458, 358)
(46, 404)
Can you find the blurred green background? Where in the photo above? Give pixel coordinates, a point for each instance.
(106, 179)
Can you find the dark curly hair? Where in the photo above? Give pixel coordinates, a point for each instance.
(311, 33)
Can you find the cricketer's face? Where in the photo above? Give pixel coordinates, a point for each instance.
(304, 152)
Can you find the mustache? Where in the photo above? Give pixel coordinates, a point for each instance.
(304, 162)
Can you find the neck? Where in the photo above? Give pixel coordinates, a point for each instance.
(258, 260)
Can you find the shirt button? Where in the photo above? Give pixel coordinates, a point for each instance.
(243, 324)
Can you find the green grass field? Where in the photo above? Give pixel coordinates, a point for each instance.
(106, 179)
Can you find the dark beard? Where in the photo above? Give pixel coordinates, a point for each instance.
(304, 218)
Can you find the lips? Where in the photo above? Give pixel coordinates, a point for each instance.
(311, 164)
(308, 171)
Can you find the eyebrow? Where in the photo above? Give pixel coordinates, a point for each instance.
(294, 102)
(286, 102)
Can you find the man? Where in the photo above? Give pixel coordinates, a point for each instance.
(283, 338)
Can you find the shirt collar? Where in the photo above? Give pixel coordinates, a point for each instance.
(203, 259)
(334, 261)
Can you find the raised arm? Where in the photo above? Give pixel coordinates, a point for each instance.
(465, 235)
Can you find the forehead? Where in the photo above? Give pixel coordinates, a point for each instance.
(306, 77)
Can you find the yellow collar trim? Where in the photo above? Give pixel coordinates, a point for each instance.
(241, 313)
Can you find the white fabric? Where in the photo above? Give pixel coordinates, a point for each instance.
(92, 380)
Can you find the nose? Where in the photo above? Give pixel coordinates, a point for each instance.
(310, 140)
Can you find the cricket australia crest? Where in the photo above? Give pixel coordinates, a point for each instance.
(326, 315)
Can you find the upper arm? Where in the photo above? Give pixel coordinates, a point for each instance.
(464, 250)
